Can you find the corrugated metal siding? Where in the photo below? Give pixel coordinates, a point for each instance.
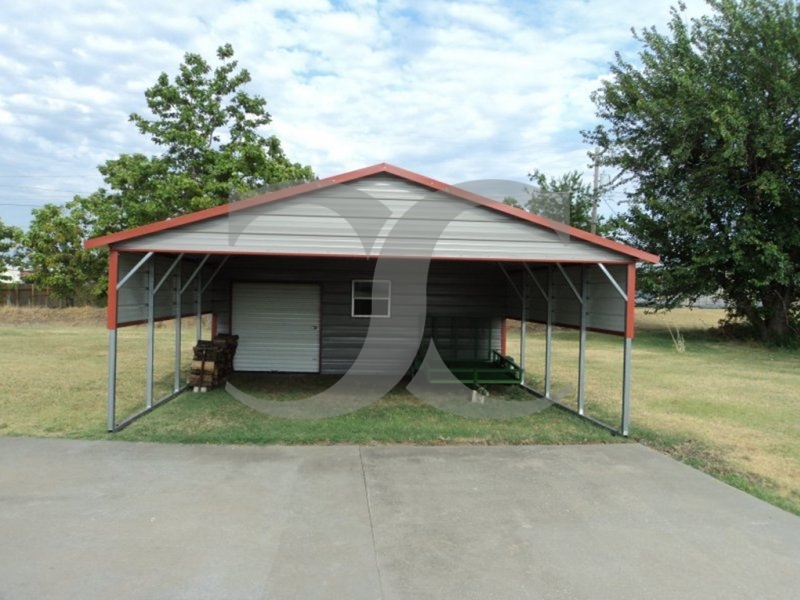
(299, 226)
(606, 309)
(605, 306)
(278, 327)
(467, 291)
(463, 338)
(537, 306)
(132, 300)
(566, 306)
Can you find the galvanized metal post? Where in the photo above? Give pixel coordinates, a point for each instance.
(582, 346)
(522, 327)
(626, 386)
(112, 378)
(548, 348)
(151, 339)
(176, 385)
(199, 307)
(546, 296)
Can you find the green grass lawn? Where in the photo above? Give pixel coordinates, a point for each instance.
(57, 387)
(730, 408)
(398, 417)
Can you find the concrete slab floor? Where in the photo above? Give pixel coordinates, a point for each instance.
(119, 520)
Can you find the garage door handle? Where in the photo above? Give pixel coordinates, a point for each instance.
(315, 327)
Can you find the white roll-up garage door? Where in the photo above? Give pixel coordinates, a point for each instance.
(278, 327)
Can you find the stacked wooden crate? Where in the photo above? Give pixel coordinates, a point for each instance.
(212, 362)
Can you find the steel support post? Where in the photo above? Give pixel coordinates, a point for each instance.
(199, 307)
(178, 333)
(626, 386)
(522, 327)
(522, 294)
(151, 339)
(112, 378)
(195, 276)
(582, 346)
(580, 295)
(548, 339)
(548, 333)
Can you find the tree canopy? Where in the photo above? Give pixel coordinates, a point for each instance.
(705, 127)
(55, 256)
(210, 131)
(209, 128)
(10, 238)
(566, 199)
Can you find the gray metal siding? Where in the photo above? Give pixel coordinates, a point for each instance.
(464, 290)
(132, 299)
(606, 309)
(307, 225)
(463, 338)
(566, 306)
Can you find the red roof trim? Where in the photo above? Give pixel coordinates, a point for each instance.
(113, 278)
(531, 261)
(630, 309)
(311, 186)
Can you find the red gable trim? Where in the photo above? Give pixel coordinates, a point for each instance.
(113, 278)
(433, 184)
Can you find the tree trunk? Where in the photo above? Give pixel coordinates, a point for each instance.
(776, 316)
(755, 317)
(777, 328)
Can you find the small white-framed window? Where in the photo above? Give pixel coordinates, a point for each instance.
(371, 298)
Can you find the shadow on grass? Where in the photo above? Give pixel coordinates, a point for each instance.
(216, 417)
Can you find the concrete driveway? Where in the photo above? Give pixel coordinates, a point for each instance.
(117, 520)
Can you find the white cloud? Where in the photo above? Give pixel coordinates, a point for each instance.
(455, 89)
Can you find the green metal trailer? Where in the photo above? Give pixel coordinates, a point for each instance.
(497, 370)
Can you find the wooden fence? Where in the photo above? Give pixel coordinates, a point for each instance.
(27, 294)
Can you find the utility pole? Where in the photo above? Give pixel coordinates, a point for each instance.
(595, 189)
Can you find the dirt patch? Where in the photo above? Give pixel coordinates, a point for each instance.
(30, 316)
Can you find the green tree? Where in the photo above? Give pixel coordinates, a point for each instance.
(10, 238)
(55, 256)
(706, 129)
(566, 199)
(210, 130)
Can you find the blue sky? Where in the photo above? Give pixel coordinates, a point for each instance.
(456, 90)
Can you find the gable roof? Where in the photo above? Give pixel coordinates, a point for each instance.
(432, 184)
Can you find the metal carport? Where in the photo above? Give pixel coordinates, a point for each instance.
(487, 262)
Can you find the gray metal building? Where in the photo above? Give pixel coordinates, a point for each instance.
(301, 273)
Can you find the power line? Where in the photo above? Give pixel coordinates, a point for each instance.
(32, 187)
(613, 209)
(41, 176)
